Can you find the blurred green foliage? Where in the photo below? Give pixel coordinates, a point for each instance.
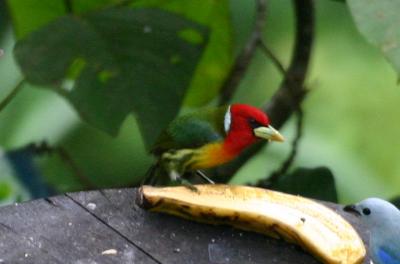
(217, 56)
(350, 113)
(5, 190)
(379, 21)
(113, 61)
(320, 183)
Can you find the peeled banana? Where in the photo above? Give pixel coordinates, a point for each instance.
(299, 220)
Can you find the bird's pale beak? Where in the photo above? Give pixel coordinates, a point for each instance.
(268, 133)
(351, 208)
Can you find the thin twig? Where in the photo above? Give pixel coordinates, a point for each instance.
(291, 91)
(271, 55)
(44, 148)
(11, 95)
(244, 58)
(66, 158)
(275, 176)
(68, 6)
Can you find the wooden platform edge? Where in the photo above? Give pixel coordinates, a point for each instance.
(106, 226)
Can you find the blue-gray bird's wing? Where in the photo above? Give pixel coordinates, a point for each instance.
(388, 255)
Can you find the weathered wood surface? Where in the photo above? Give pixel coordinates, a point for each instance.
(80, 228)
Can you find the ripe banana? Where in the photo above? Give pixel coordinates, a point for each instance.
(299, 220)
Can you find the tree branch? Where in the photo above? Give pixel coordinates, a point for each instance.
(274, 177)
(244, 58)
(291, 92)
(66, 159)
(271, 55)
(11, 95)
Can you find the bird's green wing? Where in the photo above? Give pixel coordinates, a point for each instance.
(193, 130)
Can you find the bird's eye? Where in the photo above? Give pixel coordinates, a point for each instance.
(254, 123)
(366, 211)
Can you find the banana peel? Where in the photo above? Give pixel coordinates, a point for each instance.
(299, 220)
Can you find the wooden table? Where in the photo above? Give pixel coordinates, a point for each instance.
(98, 227)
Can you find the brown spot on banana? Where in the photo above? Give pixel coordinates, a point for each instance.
(299, 220)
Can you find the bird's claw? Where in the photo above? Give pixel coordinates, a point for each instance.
(190, 186)
(186, 184)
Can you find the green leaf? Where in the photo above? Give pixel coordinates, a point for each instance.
(29, 15)
(4, 21)
(81, 6)
(5, 190)
(124, 60)
(218, 55)
(379, 22)
(316, 183)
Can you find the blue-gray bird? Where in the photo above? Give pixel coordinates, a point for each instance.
(383, 220)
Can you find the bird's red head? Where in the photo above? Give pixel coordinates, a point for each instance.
(244, 125)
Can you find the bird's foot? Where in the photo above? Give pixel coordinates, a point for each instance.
(185, 183)
(190, 186)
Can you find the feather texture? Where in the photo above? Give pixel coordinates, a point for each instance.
(192, 130)
(208, 138)
(387, 256)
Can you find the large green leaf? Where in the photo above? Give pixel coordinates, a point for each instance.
(81, 6)
(4, 21)
(115, 61)
(317, 183)
(218, 55)
(29, 15)
(379, 22)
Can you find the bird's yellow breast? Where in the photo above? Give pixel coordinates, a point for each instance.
(210, 155)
